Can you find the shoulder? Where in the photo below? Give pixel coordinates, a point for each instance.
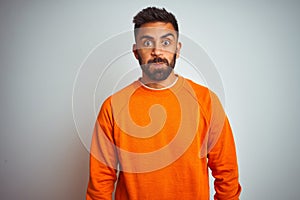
(119, 99)
(205, 97)
(201, 92)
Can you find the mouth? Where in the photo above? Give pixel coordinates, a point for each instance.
(158, 64)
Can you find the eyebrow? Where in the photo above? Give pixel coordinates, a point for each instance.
(150, 37)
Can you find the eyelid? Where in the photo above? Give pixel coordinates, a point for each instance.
(147, 40)
(166, 40)
(151, 43)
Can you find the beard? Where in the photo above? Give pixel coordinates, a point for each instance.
(159, 73)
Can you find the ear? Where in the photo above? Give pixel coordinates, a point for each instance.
(134, 50)
(178, 49)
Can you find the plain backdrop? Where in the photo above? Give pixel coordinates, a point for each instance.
(255, 46)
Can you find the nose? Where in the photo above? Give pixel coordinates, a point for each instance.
(156, 51)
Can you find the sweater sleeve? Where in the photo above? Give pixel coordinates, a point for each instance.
(222, 158)
(103, 158)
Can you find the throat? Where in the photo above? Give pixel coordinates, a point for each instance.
(159, 85)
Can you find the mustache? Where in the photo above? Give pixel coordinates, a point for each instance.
(158, 60)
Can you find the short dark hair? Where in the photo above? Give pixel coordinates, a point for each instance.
(153, 14)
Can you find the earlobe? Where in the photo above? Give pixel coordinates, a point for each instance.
(134, 50)
(178, 49)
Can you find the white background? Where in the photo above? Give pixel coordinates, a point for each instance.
(255, 46)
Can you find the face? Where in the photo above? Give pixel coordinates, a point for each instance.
(157, 49)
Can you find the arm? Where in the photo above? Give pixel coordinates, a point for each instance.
(223, 163)
(103, 159)
(222, 158)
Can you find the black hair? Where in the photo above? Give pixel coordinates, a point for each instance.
(153, 14)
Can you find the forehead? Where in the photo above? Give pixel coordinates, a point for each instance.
(156, 29)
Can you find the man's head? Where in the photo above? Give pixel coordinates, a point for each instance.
(157, 46)
(153, 14)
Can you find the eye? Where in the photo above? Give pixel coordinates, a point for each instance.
(166, 42)
(148, 43)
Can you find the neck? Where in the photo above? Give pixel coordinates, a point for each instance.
(159, 84)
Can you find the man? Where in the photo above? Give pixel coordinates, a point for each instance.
(163, 131)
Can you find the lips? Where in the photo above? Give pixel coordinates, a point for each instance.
(159, 65)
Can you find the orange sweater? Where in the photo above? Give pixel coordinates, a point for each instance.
(162, 143)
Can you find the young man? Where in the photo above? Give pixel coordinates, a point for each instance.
(163, 131)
